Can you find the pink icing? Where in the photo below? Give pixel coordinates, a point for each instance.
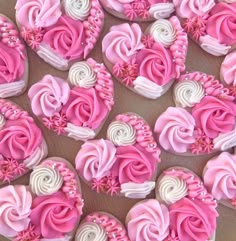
(175, 129)
(117, 5)
(15, 203)
(148, 220)
(228, 69)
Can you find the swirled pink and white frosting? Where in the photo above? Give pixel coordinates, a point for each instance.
(228, 69)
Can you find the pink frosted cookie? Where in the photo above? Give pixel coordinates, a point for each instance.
(13, 60)
(76, 109)
(220, 178)
(147, 63)
(204, 119)
(125, 163)
(48, 209)
(22, 145)
(101, 226)
(60, 32)
(136, 10)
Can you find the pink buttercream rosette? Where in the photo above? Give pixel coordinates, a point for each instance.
(48, 209)
(123, 164)
(60, 32)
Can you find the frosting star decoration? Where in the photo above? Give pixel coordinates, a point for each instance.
(182, 210)
(203, 120)
(125, 163)
(22, 145)
(147, 63)
(13, 60)
(76, 109)
(48, 209)
(60, 32)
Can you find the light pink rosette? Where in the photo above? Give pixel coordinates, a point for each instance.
(15, 205)
(48, 96)
(37, 13)
(220, 176)
(192, 219)
(95, 159)
(214, 116)
(54, 216)
(122, 42)
(222, 23)
(175, 129)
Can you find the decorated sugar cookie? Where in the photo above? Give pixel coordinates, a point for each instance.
(48, 209)
(22, 145)
(146, 63)
(13, 60)
(136, 10)
(101, 226)
(60, 32)
(203, 120)
(182, 210)
(78, 107)
(123, 164)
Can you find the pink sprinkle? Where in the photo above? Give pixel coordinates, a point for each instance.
(98, 185)
(130, 12)
(112, 185)
(148, 41)
(27, 235)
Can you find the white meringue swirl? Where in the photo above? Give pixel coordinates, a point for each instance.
(121, 133)
(81, 74)
(163, 32)
(187, 93)
(172, 189)
(161, 10)
(45, 180)
(2, 121)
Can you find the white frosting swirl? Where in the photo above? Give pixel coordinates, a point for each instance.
(91, 232)
(81, 74)
(172, 189)
(161, 10)
(187, 93)
(2, 121)
(121, 133)
(163, 32)
(77, 9)
(45, 180)
(12, 89)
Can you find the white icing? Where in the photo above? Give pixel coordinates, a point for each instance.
(12, 89)
(121, 133)
(81, 74)
(172, 189)
(65, 238)
(91, 232)
(79, 132)
(2, 121)
(187, 93)
(137, 190)
(77, 9)
(49, 56)
(212, 46)
(163, 32)
(161, 10)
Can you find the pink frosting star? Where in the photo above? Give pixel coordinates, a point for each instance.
(27, 235)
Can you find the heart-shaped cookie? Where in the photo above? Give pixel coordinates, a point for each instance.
(48, 209)
(101, 226)
(60, 32)
(22, 145)
(13, 60)
(76, 109)
(125, 163)
(147, 63)
(204, 119)
(136, 10)
(182, 210)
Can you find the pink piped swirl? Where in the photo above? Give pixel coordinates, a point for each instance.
(228, 69)
(37, 13)
(222, 23)
(190, 8)
(175, 129)
(15, 203)
(66, 38)
(54, 216)
(117, 5)
(48, 95)
(220, 176)
(95, 159)
(122, 42)
(148, 220)
(192, 219)
(214, 116)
